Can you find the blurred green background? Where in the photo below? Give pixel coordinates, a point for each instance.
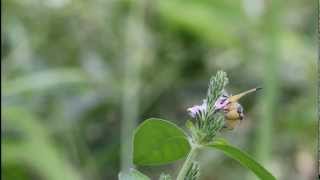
(78, 76)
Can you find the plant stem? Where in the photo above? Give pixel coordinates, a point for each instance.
(136, 51)
(187, 163)
(271, 84)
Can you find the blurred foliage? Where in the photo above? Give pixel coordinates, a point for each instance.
(64, 65)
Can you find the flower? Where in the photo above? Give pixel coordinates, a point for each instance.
(197, 110)
(221, 103)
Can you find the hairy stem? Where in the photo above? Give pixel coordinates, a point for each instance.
(188, 162)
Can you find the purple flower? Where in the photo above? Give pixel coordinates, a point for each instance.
(197, 110)
(221, 103)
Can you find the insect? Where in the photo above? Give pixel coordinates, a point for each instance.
(234, 112)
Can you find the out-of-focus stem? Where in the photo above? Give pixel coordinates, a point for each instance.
(135, 51)
(271, 83)
(318, 93)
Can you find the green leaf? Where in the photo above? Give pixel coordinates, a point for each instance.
(243, 158)
(34, 146)
(158, 141)
(58, 77)
(133, 175)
